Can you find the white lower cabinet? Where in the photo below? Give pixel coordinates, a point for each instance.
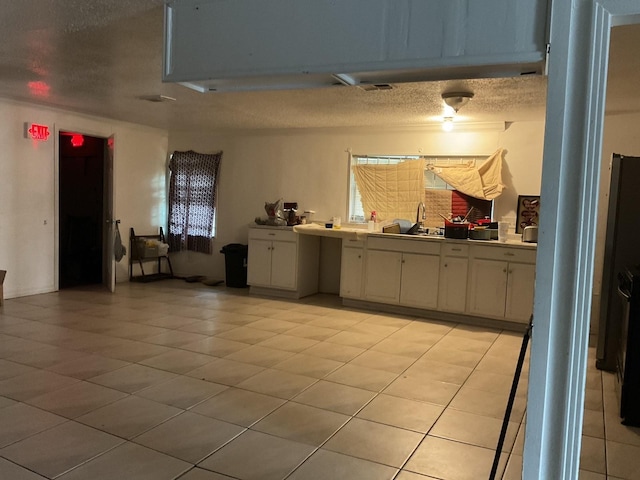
(272, 264)
(259, 262)
(352, 269)
(403, 272)
(502, 282)
(419, 280)
(383, 272)
(494, 281)
(283, 265)
(281, 260)
(454, 266)
(520, 287)
(488, 292)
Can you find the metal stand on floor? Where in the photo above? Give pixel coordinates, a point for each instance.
(512, 396)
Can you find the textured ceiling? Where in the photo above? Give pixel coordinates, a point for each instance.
(100, 56)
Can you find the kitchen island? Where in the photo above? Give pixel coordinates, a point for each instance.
(485, 282)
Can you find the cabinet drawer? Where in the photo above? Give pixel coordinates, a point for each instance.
(352, 242)
(272, 234)
(505, 253)
(409, 246)
(455, 250)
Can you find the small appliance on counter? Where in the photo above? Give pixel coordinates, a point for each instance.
(307, 216)
(290, 210)
(530, 234)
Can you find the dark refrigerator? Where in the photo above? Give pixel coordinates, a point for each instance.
(622, 250)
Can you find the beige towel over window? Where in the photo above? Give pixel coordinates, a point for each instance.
(393, 191)
(437, 202)
(484, 182)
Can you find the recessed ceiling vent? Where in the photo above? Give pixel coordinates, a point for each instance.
(375, 86)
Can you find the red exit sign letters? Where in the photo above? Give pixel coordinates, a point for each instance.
(38, 132)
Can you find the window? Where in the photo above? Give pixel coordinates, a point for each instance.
(192, 200)
(439, 197)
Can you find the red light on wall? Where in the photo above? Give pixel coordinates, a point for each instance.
(39, 89)
(38, 132)
(77, 140)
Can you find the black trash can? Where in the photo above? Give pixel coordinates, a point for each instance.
(235, 263)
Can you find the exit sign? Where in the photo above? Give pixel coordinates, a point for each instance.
(36, 131)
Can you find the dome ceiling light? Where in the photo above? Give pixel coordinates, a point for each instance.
(454, 101)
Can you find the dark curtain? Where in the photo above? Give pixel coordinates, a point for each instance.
(192, 200)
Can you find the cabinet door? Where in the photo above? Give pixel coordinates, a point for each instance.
(383, 276)
(452, 294)
(488, 287)
(419, 280)
(520, 286)
(259, 263)
(351, 272)
(284, 263)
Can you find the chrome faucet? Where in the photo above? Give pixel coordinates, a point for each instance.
(419, 219)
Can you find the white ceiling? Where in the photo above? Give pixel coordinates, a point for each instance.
(100, 56)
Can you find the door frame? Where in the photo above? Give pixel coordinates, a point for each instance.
(579, 51)
(105, 134)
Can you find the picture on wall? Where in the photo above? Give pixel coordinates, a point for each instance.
(528, 212)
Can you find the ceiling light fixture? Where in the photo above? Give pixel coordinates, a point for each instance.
(454, 101)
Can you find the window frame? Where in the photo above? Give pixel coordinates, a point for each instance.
(193, 187)
(353, 195)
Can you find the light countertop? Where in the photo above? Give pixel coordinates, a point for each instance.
(322, 231)
(362, 233)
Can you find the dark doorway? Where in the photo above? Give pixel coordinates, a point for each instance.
(81, 193)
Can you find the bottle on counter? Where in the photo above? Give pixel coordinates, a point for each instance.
(371, 226)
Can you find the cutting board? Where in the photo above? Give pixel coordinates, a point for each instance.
(393, 228)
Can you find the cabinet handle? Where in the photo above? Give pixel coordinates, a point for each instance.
(504, 270)
(359, 256)
(272, 234)
(446, 265)
(456, 249)
(509, 254)
(510, 272)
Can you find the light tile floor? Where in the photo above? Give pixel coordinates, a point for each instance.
(172, 380)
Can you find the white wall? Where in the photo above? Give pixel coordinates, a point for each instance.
(523, 142)
(311, 167)
(28, 177)
(308, 166)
